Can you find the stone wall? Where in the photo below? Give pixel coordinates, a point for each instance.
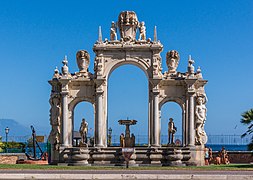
(11, 158)
(238, 156)
(234, 157)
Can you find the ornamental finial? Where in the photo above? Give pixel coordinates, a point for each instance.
(99, 34)
(155, 35)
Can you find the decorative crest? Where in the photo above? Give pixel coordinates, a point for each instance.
(172, 61)
(128, 24)
(83, 60)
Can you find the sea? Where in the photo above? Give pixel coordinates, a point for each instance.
(228, 147)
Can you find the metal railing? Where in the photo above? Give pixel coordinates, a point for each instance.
(140, 140)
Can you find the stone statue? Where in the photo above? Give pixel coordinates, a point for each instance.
(172, 61)
(55, 114)
(190, 66)
(142, 31)
(171, 131)
(113, 32)
(83, 131)
(200, 114)
(122, 140)
(133, 140)
(83, 60)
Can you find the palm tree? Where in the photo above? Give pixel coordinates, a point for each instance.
(247, 119)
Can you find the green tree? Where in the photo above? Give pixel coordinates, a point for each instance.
(247, 119)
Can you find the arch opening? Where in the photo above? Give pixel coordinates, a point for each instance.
(172, 110)
(82, 110)
(128, 100)
(134, 62)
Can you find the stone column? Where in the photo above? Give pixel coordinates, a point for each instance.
(190, 114)
(191, 136)
(65, 131)
(99, 120)
(150, 122)
(156, 120)
(183, 126)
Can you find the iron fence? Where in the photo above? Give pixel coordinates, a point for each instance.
(212, 139)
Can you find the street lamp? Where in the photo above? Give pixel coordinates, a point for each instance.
(110, 136)
(6, 133)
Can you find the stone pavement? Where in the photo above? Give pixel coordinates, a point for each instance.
(127, 174)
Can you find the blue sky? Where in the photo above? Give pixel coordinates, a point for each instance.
(35, 36)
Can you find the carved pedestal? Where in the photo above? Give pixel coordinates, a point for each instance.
(78, 157)
(104, 157)
(175, 159)
(155, 157)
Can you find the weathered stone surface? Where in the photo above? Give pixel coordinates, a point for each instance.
(183, 88)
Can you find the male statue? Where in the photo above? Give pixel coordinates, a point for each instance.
(83, 131)
(142, 31)
(171, 131)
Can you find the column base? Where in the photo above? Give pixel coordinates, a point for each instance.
(155, 145)
(99, 146)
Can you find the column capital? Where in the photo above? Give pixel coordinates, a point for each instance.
(191, 92)
(99, 92)
(156, 92)
(64, 93)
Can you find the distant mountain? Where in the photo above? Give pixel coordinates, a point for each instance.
(16, 129)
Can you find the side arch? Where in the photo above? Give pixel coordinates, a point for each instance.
(182, 103)
(72, 105)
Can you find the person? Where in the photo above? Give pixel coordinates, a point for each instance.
(210, 152)
(83, 131)
(206, 151)
(224, 156)
(171, 131)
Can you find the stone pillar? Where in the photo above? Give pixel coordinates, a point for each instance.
(183, 127)
(191, 113)
(191, 136)
(156, 120)
(65, 139)
(66, 132)
(150, 117)
(99, 120)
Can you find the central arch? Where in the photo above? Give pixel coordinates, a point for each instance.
(138, 62)
(132, 97)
